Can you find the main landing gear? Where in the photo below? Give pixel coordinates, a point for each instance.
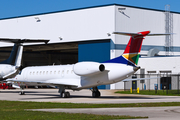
(63, 94)
(22, 90)
(95, 92)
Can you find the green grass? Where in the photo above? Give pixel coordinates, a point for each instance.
(153, 92)
(31, 115)
(16, 110)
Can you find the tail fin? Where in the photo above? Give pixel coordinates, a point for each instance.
(13, 55)
(19, 56)
(133, 48)
(16, 53)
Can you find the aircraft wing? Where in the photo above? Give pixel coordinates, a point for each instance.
(23, 40)
(54, 82)
(125, 80)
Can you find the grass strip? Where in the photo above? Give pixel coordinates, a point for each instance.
(153, 92)
(32, 115)
(15, 110)
(14, 105)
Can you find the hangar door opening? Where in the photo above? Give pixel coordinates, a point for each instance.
(98, 51)
(42, 54)
(165, 83)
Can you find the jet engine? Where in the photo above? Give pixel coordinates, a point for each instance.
(88, 68)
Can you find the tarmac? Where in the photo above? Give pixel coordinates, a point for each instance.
(107, 96)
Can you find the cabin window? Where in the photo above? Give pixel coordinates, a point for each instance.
(43, 72)
(59, 72)
(30, 73)
(67, 71)
(50, 72)
(54, 72)
(46, 72)
(37, 73)
(62, 73)
(71, 71)
(40, 72)
(33, 73)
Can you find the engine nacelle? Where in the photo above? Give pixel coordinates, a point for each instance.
(88, 68)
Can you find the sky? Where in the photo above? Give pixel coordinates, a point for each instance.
(16, 8)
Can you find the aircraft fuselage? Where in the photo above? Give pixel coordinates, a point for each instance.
(65, 74)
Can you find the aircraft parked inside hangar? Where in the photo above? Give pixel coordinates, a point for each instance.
(10, 67)
(86, 74)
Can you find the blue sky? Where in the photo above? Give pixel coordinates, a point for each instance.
(14, 8)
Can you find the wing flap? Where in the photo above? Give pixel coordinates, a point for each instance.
(57, 82)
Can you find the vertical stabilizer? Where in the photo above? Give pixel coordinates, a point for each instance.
(19, 56)
(133, 48)
(12, 56)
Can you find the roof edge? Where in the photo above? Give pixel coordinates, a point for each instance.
(85, 8)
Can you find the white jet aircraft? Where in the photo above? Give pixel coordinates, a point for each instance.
(10, 67)
(84, 75)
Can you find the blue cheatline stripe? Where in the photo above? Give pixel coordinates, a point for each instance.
(121, 60)
(146, 47)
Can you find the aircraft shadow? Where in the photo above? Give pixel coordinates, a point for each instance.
(53, 96)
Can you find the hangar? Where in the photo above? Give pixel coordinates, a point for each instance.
(85, 34)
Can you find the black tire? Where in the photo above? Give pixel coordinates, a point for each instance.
(21, 93)
(62, 95)
(96, 94)
(67, 94)
(93, 94)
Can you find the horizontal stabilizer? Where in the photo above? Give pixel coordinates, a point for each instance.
(23, 40)
(139, 34)
(11, 75)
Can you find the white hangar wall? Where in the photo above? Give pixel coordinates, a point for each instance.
(160, 64)
(132, 19)
(71, 26)
(137, 20)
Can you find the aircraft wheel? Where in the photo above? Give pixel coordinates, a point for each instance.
(67, 94)
(21, 93)
(96, 94)
(62, 95)
(93, 94)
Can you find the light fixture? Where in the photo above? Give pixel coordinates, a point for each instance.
(60, 38)
(108, 34)
(121, 11)
(37, 19)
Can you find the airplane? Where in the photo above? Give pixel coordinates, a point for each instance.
(83, 75)
(10, 67)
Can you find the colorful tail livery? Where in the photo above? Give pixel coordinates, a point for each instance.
(133, 48)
